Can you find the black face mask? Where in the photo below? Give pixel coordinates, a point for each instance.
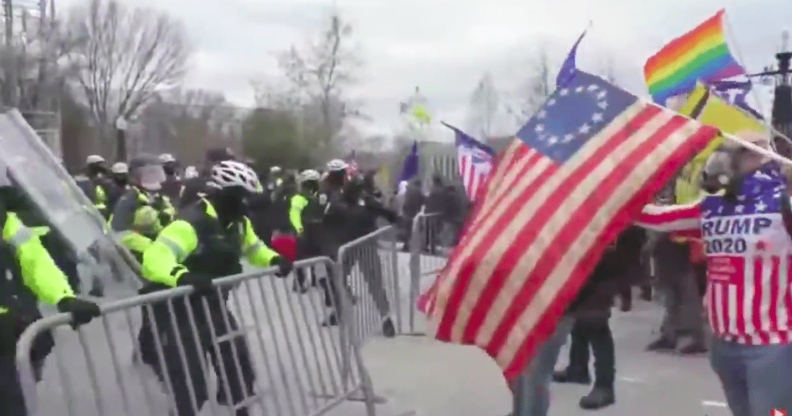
(96, 169)
(121, 180)
(230, 203)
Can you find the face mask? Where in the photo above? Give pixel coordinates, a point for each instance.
(231, 203)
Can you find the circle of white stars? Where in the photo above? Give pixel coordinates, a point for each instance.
(594, 91)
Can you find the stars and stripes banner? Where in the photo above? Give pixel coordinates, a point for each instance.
(577, 174)
(474, 161)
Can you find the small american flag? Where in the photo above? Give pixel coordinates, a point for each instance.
(581, 169)
(474, 160)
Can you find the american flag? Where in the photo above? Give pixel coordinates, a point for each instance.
(583, 166)
(474, 160)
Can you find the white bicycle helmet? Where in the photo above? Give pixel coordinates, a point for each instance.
(120, 167)
(167, 158)
(309, 175)
(336, 165)
(229, 174)
(90, 160)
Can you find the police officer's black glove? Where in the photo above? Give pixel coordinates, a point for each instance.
(81, 310)
(284, 266)
(200, 282)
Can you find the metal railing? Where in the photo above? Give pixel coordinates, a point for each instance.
(268, 353)
(370, 270)
(428, 253)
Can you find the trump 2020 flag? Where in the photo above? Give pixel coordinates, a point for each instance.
(581, 168)
(474, 161)
(409, 168)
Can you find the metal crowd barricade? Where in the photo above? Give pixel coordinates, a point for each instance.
(428, 255)
(268, 352)
(369, 268)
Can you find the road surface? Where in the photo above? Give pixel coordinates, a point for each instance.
(295, 358)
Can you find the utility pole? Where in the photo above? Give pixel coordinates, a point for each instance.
(10, 96)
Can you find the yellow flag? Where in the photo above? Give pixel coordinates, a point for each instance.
(711, 110)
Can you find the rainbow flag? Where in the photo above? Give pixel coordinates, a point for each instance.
(699, 55)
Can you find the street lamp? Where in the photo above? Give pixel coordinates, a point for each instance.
(121, 145)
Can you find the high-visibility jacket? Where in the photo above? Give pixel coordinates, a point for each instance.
(138, 218)
(34, 275)
(196, 241)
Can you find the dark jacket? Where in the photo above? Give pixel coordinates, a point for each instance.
(617, 268)
(413, 200)
(193, 187)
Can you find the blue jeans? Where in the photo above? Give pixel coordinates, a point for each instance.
(755, 378)
(533, 392)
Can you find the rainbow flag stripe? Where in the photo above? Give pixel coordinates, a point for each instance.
(701, 54)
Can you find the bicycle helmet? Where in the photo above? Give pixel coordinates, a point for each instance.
(120, 167)
(229, 174)
(167, 158)
(336, 165)
(309, 175)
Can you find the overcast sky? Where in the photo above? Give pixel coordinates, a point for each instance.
(444, 46)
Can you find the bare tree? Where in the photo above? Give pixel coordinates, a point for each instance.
(532, 93)
(316, 77)
(124, 56)
(483, 108)
(186, 122)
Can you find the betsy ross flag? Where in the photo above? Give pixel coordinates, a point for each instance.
(581, 168)
(474, 161)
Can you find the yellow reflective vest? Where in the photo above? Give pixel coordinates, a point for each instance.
(37, 270)
(197, 242)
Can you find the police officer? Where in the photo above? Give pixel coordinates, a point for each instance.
(30, 276)
(93, 183)
(142, 211)
(206, 242)
(119, 180)
(138, 217)
(172, 186)
(305, 216)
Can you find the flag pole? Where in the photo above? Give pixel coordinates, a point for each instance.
(757, 149)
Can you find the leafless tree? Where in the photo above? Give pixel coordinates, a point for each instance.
(124, 56)
(539, 84)
(484, 105)
(186, 122)
(316, 76)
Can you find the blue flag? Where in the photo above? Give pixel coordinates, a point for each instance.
(569, 68)
(409, 168)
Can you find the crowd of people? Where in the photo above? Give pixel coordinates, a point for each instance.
(187, 227)
(720, 263)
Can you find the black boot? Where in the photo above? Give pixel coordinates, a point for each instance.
(388, 329)
(331, 320)
(568, 375)
(598, 398)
